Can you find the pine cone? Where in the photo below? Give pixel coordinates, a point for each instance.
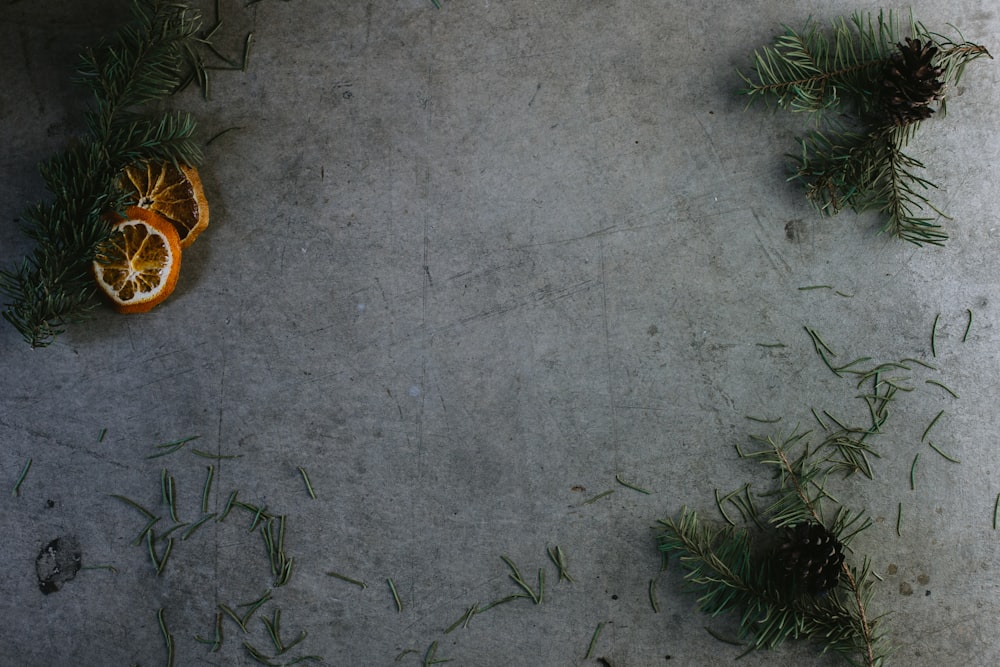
(910, 83)
(812, 556)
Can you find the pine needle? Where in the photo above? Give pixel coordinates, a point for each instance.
(395, 594)
(558, 558)
(939, 384)
(931, 425)
(593, 641)
(943, 455)
(629, 485)
(356, 582)
(168, 639)
(16, 492)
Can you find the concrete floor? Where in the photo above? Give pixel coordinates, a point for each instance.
(464, 267)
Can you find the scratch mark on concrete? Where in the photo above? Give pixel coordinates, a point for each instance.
(774, 258)
(546, 294)
(169, 376)
(535, 94)
(607, 350)
(711, 142)
(573, 239)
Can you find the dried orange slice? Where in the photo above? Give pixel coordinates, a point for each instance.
(173, 191)
(138, 265)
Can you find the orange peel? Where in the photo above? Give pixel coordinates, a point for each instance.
(137, 267)
(173, 191)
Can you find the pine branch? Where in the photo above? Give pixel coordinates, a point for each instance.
(869, 171)
(733, 572)
(799, 476)
(144, 62)
(799, 493)
(721, 567)
(811, 71)
(895, 193)
(859, 163)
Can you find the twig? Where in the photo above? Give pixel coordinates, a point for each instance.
(864, 625)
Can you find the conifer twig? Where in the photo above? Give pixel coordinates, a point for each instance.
(726, 570)
(144, 62)
(855, 157)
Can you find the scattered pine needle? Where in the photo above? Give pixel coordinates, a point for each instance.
(594, 499)
(593, 641)
(631, 486)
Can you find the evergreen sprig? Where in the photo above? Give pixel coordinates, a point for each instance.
(722, 568)
(732, 569)
(142, 63)
(736, 567)
(855, 158)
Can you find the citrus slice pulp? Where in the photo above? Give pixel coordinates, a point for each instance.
(138, 265)
(173, 191)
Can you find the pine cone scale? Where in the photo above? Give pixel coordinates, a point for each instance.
(812, 556)
(910, 83)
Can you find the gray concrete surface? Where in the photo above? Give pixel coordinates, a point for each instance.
(464, 267)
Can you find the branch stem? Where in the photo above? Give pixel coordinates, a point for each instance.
(866, 629)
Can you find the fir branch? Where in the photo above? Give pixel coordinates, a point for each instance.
(144, 62)
(810, 71)
(894, 192)
(799, 494)
(734, 573)
(868, 171)
(720, 566)
(855, 159)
